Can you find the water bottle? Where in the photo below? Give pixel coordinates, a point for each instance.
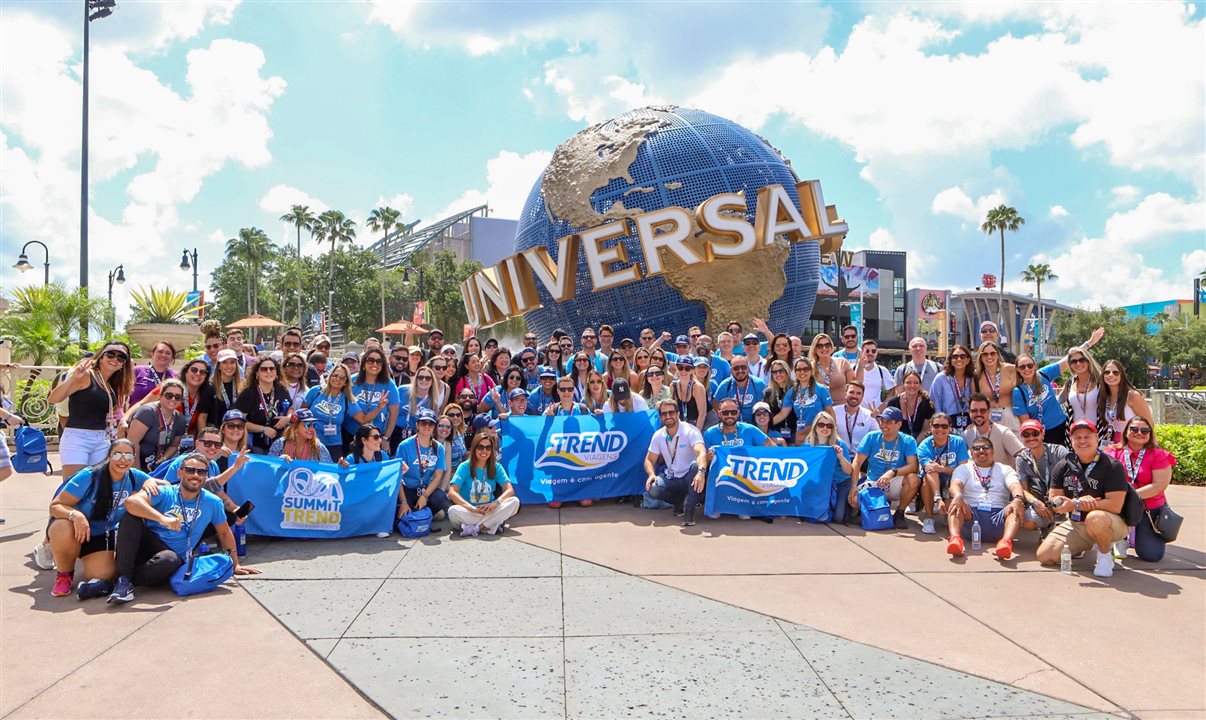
(975, 535)
(1065, 561)
(240, 537)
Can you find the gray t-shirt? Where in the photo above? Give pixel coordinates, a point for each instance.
(161, 431)
(1034, 473)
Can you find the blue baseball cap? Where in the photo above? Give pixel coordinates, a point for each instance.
(518, 393)
(700, 360)
(682, 340)
(425, 415)
(548, 373)
(233, 415)
(892, 413)
(303, 416)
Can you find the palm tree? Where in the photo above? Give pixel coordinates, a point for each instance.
(251, 247)
(301, 218)
(1000, 219)
(381, 220)
(1039, 273)
(333, 226)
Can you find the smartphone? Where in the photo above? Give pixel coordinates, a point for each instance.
(245, 509)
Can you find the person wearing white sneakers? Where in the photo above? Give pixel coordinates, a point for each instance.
(989, 493)
(1090, 487)
(475, 506)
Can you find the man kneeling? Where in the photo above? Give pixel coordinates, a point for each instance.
(680, 446)
(474, 507)
(989, 493)
(160, 533)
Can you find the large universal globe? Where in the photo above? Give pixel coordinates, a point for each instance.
(652, 158)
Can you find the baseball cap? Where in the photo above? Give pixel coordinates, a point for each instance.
(619, 388)
(1082, 423)
(349, 356)
(233, 415)
(988, 324)
(548, 373)
(412, 349)
(227, 354)
(425, 415)
(749, 338)
(517, 393)
(892, 413)
(700, 360)
(484, 421)
(303, 416)
(761, 406)
(435, 331)
(448, 349)
(1031, 425)
(627, 342)
(526, 352)
(683, 361)
(682, 340)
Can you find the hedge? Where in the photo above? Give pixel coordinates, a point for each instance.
(1188, 444)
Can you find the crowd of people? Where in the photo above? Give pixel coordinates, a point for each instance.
(984, 439)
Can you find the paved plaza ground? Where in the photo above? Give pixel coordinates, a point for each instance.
(611, 612)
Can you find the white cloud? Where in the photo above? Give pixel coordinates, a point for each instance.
(160, 142)
(404, 203)
(1057, 211)
(280, 199)
(953, 201)
(1156, 217)
(509, 178)
(1125, 194)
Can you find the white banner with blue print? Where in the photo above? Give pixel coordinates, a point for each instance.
(769, 481)
(317, 500)
(580, 457)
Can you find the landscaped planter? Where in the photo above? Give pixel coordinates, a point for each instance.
(147, 334)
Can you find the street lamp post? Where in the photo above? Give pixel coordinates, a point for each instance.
(116, 275)
(23, 260)
(93, 10)
(406, 280)
(184, 265)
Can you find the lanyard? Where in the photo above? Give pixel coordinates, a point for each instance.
(741, 396)
(850, 425)
(910, 417)
(964, 394)
(1046, 471)
(940, 452)
(825, 373)
(985, 480)
(268, 408)
(113, 510)
(109, 420)
(155, 376)
(994, 387)
(682, 403)
(672, 448)
(1132, 470)
(187, 525)
(190, 407)
(423, 467)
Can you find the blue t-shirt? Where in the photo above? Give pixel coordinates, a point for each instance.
(196, 514)
(171, 471)
(952, 454)
(421, 465)
(1043, 406)
(882, 457)
(405, 417)
(807, 403)
(332, 412)
(368, 395)
(840, 475)
(720, 369)
(475, 486)
(540, 402)
(752, 393)
(80, 487)
(746, 435)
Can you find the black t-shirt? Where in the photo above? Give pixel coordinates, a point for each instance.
(257, 414)
(923, 411)
(1107, 476)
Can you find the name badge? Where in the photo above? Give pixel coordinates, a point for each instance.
(984, 507)
(165, 437)
(1075, 516)
(329, 429)
(997, 415)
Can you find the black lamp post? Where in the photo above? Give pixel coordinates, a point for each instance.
(93, 10)
(184, 265)
(406, 280)
(116, 275)
(23, 260)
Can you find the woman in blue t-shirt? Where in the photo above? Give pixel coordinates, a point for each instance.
(85, 514)
(425, 391)
(376, 392)
(366, 447)
(824, 434)
(807, 397)
(331, 404)
(1034, 398)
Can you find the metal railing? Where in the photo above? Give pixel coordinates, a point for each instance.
(27, 388)
(1178, 407)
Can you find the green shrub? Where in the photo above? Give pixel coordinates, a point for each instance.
(1188, 444)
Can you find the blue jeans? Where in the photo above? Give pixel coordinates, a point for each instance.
(1148, 545)
(678, 491)
(839, 504)
(437, 501)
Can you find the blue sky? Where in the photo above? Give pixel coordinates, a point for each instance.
(211, 116)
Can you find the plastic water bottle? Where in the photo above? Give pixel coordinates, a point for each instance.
(240, 536)
(1065, 561)
(975, 535)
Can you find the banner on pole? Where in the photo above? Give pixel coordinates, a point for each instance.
(770, 481)
(582, 457)
(315, 500)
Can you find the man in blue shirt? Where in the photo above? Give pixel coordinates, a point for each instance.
(526, 359)
(732, 433)
(160, 533)
(744, 389)
(720, 370)
(938, 456)
(890, 458)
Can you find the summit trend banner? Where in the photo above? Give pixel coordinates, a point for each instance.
(582, 457)
(770, 481)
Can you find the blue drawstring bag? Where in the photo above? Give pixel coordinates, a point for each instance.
(415, 524)
(875, 512)
(30, 456)
(203, 574)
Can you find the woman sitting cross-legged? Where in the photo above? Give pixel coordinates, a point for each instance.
(472, 492)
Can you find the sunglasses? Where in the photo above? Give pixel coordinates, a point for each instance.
(443, 426)
(1111, 372)
(1025, 366)
(565, 390)
(750, 342)
(981, 448)
(267, 368)
(825, 345)
(668, 413)
(487, 447)
(581, 361)
(989, 354)
(323, 346)
(1077, 361)
(766, 412)
(212, 347)
(186, 470)
(727, 413)
(173, 396)
(211, 443)
(197, 370)
(850, 337)
(1032, 434)
(373, 436)
(235, 425)
(454, 414)
(960, 356)
(977, 412)
(115, 355)
(778, 371)
(871, 351)
(646, 337)
(803, 369)
(1139, 430)
(439, 368)
(373, 361)
(824, 425)
(552, 351)
(122, 456)
(295, 365)
(741, 368)
(940, 426)
(655, 373)
(423, 378)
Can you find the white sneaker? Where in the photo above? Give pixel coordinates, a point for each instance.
(714, 516)
(470, 530)
(743, 517)
(43, 557)
(927, 526)
(1105, 565)
(383, 534)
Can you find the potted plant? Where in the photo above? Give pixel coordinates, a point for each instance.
(162, 314)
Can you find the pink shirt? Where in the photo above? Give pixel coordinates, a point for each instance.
(1141, 476)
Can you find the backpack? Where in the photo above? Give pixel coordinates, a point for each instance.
(30, 456)
(415, 524)
(202, 574)
(875, 512)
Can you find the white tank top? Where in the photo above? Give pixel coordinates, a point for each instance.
(1084, 405)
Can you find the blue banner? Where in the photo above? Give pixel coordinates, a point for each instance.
(316, 500)
(582, 457)
(770, 481)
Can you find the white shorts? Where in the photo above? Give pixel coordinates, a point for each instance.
(6, 460)
(83, 447)
(894, 489)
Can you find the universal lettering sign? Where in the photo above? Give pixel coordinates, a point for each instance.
(509, 289)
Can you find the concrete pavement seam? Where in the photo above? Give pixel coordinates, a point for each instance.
(564, 659)
(842, 705)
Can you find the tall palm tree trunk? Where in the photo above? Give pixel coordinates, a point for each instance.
(330, 281)
(384, 251)
(299, 272)
(1041, 345)
(1001, 285)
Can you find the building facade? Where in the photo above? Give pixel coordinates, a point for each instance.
(1020, 328)
(871, 282)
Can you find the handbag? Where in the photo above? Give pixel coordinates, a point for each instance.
(1133, 508)
(1166, 523)
(415, 524)
(202, 574)
(875, 512)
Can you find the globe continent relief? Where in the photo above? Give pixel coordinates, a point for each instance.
(649, 159)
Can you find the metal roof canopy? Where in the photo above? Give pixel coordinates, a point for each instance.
(406, 241)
